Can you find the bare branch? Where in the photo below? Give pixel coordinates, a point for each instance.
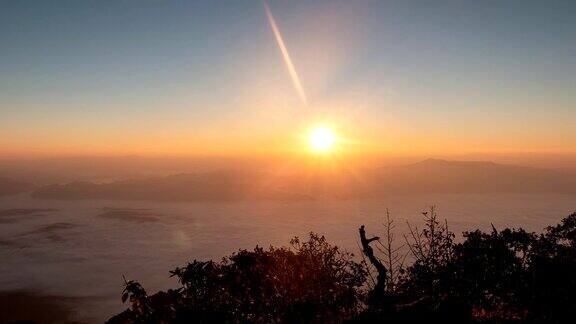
(380, 287)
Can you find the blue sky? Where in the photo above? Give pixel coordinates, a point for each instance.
(486, 75)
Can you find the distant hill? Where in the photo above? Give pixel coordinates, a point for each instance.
(12, 187)
(428, 176)
(221, 185)
(443, 176)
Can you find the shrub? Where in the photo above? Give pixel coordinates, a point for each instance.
(507, 276)
(310, 282)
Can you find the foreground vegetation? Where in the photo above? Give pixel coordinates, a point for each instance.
(500, 276)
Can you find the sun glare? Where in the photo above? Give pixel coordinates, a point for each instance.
(321, 139)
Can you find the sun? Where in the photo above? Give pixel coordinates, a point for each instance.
(321, 139)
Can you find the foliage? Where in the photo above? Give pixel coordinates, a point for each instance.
(310, 282)
(432, 248)
(499, 276)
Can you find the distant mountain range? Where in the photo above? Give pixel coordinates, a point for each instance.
(220, 185)
(443, 176)
(428, 176)
(12, 187)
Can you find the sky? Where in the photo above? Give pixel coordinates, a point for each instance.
(208, 77)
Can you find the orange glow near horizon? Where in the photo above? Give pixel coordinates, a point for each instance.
(284, 140)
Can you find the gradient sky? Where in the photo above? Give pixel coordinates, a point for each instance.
(188, 77)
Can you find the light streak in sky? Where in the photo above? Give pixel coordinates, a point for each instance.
(285, 55)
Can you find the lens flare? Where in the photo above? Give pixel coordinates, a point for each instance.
(285, 55)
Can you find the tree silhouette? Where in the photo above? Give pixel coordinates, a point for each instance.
(500, 276)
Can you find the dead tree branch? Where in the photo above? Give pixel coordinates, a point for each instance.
(380, 287)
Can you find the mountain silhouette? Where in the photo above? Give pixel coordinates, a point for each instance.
(428, 176)
(12, 187)
(441, 176)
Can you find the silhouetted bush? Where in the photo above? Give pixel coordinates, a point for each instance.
(502, 276)
(506, 276)
(311, 282)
